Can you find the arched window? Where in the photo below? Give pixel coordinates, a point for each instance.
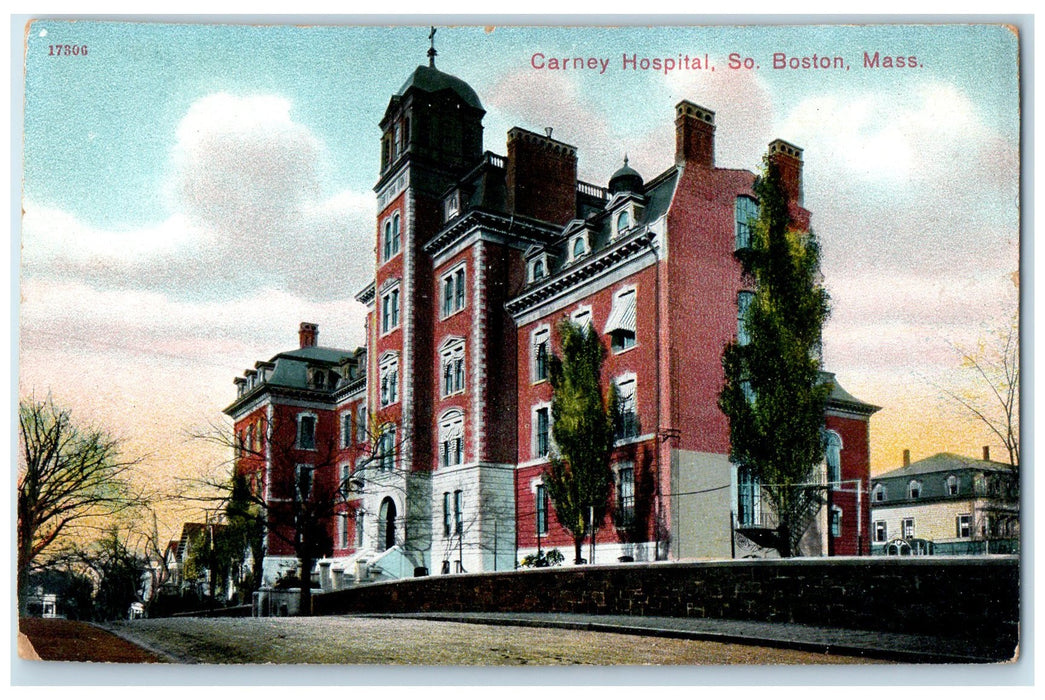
(537, 271)
(952, 485)
(387, 523)
(623, 221)
(914, 489)
(833, 456)
(451, 438)
(578, 247)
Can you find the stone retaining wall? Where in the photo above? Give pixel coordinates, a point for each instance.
(932, 595)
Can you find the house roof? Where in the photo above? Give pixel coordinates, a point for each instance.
(841, 398)
(944, 462)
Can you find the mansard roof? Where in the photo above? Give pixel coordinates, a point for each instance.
(944, 462)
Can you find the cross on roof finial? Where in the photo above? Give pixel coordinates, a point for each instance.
(432, 52)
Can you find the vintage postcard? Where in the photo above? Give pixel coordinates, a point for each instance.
(519, 345)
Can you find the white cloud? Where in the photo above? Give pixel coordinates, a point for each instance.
(250, 214)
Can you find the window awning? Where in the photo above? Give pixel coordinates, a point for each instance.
(622, 315)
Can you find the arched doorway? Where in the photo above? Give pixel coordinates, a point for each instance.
(387, 517)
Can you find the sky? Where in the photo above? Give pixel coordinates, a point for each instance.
(192, 192)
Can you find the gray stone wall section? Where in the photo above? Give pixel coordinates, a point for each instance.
(942, 596)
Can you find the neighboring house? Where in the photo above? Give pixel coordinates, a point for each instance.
(946, 504)
(478, 258)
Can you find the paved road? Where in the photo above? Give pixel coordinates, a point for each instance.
(366, 640)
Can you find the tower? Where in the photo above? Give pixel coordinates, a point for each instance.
(431, 134)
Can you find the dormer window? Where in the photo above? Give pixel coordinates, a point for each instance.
(452, 205)
(578, 247)
(623, 222)
(538, 270)
(914, 489)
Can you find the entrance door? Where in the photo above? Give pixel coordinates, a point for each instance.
(388, 523)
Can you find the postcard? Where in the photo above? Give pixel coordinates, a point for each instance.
(512, 345)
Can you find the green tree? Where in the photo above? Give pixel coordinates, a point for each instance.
(773, 396)
(579, 477)
(69, 478)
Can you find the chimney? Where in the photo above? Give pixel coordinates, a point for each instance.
(694, 134)
(907, 458)
(788, 159)
(308, 334)
(542, 177)
(986, 453)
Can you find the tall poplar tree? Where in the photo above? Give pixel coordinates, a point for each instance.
(773, 396)
(579, 477)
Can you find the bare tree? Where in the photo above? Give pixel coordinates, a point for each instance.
(70, 478)
(298, 502)
(993, 396)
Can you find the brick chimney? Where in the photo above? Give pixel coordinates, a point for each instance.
(542, 177)
(907, 458)
(694, 134)
(308, 334)
(986, 453)
(788, 159)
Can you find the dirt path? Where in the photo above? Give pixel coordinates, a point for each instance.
(69, 640)
(355, 640)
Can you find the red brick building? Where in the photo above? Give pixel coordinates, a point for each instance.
(444, 418)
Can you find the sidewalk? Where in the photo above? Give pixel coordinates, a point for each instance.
(890, 646)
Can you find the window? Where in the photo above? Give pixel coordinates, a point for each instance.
(621, 323)
(392, 237)
(361, 429)
(345, 485)
(346, 429)
(542, 424)
(446, 514)
(542, 510)
(582, 317)
(306, 431)
(879, 493)
(453, 292)
(747, 213)
(303, 481)
(390, 310)
(623, 222)
(540, 354)
(952, 485)
(881, 532)
(833, 456)
(343, 530)
(387, 448)
(537, 270)
(749, 498)
(836, 521)
(389, 373)
(907, 528)
(458, 513)
(744, 300)
(914, 489)
(452, 205)
(451, 438)
(359, 527)
(578, 247)
(626, 495)
(627, 417)
(963, 524)
(452, 361)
